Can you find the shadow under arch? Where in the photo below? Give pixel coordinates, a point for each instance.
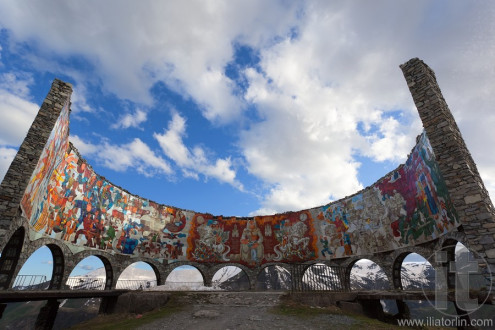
(109, 273)
(10, 257)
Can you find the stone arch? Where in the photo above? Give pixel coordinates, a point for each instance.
(108, 263)
(133, 283)
(482, 279)
(200, 267)
(58, 266)
(251, 274)
(348, 264)
(399, 257)
(59, 253)
(157, 268)
(264, 267)
(10, 257)
(385, 282)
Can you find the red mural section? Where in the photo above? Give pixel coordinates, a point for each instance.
(280, 238)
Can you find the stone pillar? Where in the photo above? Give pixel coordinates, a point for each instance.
(208, 279)
(107, 305)
(296, 273)
(466, 189)
(47, 315)
(253, 278)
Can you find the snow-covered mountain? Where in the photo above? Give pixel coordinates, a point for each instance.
(367, 275)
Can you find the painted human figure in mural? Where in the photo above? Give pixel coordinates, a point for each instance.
(252, 244)
(212, 242)
(324, 242)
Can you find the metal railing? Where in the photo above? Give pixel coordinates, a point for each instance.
(135, 284)
(182, 286)
(317, 277)
(31, 282)
(86, 283)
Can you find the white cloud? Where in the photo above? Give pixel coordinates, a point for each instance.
(393, 140)
(16, 83)
(6, 157)
(341, 72)
(85, 148)
(194, 161)
(337, 72)
(133, 45)
(17, 112)
(136, 155)
(131, 120)
(79, 102)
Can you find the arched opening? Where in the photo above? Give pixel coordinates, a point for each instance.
(413, 272)
(471, 278)
(231, 278)
(467, 266)
(184, 278)
(10, 257)
(275, 278)
(320, 277)
(91, 273)
(368, 275)
(138, 276)
(37, 272)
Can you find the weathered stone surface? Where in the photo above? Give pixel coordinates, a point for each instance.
(472, 199)
(490, 253)
(463, 181)
(208, 314)
(138, 303)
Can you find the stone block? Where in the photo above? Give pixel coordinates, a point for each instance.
(139, 302)
(486, 239)
(472, 199)
(352, 307)
(490, 253)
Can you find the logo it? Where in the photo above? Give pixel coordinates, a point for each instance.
(465, 276)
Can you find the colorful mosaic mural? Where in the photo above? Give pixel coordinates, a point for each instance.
(34, 204)
(67, 200)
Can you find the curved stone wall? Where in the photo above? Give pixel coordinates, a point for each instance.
(77, 213)
(66, 200)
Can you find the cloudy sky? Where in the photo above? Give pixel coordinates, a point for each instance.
(246, 107)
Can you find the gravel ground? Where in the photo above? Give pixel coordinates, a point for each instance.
(241, 310)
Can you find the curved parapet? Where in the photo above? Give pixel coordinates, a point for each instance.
(74, 204)
(64, 199)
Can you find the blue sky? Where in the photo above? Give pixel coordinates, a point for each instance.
(246, 107)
